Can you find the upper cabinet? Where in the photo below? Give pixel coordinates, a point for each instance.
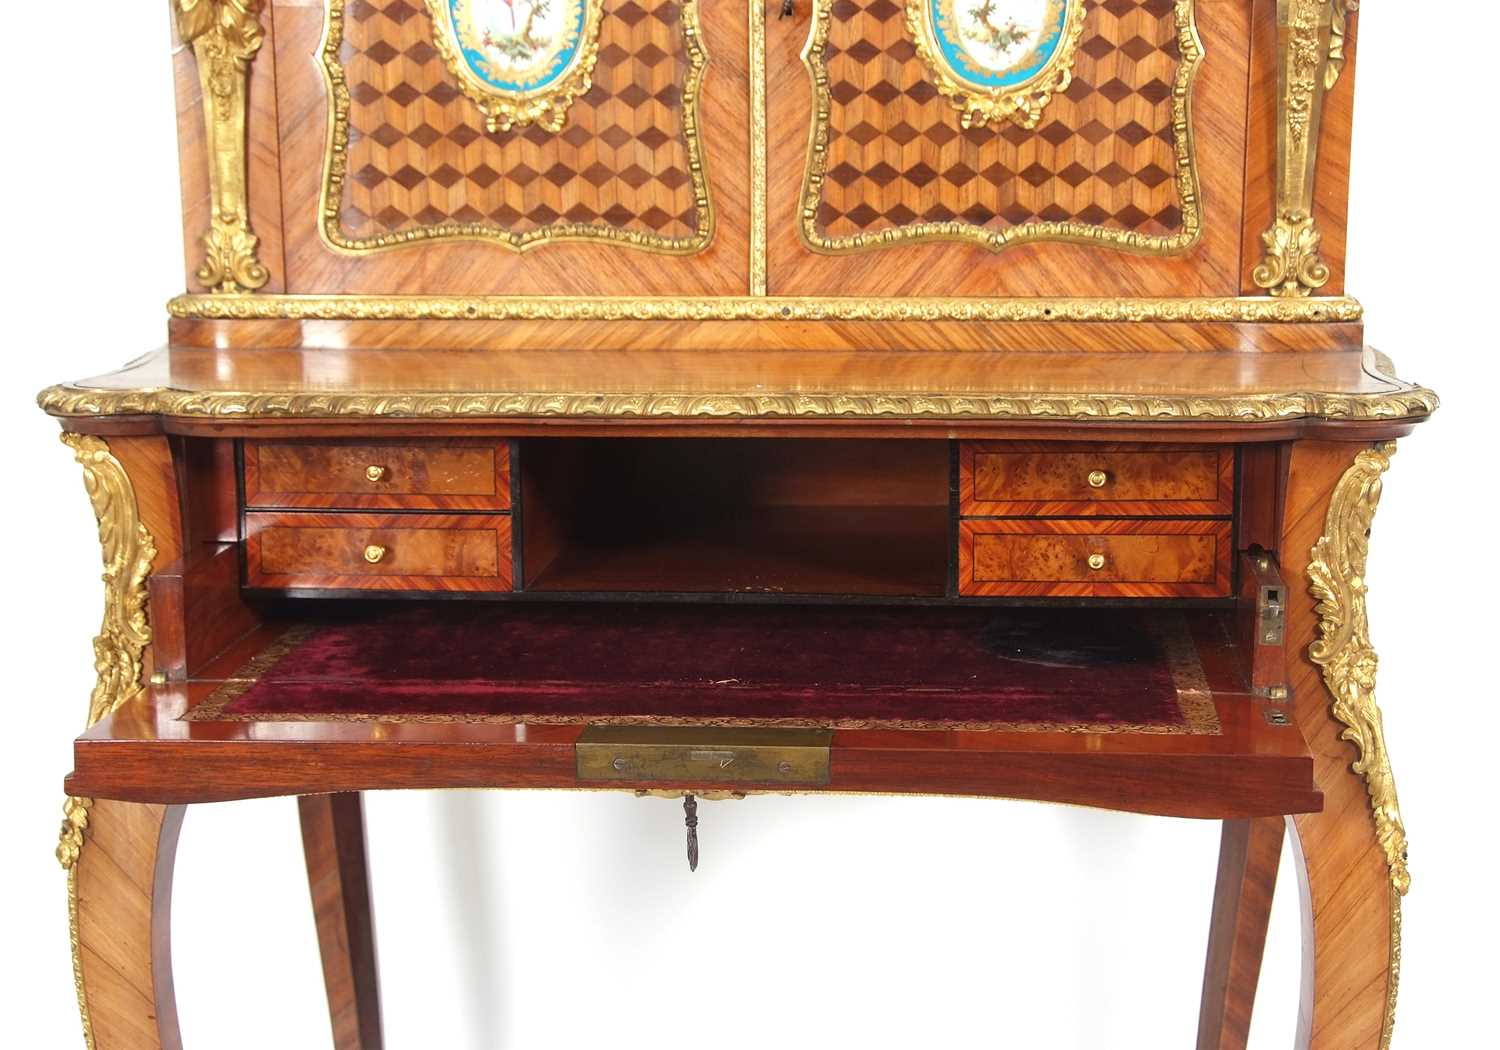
(730, 148)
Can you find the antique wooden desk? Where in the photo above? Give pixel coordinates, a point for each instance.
(850, 395)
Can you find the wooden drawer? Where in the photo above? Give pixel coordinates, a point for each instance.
(400, 552)
(409, 475)
(1016, 478)
(1094, 559)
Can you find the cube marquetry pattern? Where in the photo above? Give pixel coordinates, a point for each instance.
(419, 157)
(1101, 155)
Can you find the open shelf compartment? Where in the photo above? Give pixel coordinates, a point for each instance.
(788, 516)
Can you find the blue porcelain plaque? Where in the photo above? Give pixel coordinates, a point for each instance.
(520, 60)
(997, 58)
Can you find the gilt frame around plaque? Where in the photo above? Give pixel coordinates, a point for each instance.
(518, 78)
(994, 71)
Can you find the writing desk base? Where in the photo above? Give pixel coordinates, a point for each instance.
(1351, 853)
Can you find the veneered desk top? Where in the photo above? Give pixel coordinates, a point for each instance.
(253, 384)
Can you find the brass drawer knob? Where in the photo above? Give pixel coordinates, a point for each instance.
(374, 552)
(1096, 561)
(1098, 479)
(374, 473)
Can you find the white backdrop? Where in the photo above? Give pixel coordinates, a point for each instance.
(549, 921)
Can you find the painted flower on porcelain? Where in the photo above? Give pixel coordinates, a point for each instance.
(997, 59)
(518, 45)
(997, 43)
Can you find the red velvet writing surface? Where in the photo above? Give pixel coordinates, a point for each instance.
(1086, 670)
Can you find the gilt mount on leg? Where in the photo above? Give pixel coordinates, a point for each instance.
(1336, 575)
(119, 648)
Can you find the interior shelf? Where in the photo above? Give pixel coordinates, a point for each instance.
(885, 551)
(802, 517)
(1144, 711)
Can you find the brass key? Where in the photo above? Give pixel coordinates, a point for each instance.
(690, 810)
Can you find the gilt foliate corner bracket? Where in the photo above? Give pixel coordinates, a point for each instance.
(128, 551)
(997, 60)
(1336, 574)
(119, 649)
(225, 35)
(1311, 38)
(520, 61)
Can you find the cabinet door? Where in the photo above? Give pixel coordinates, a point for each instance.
(523, 147)
(1007, 147)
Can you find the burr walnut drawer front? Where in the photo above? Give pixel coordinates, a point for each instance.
(398, 552)
(1096, 559)
(408, 475)
(1003, 479)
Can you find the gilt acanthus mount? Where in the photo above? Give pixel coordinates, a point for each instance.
(1311, 55)
(119, 648)
(1336, 575)
(224, 36)
(1343, 650)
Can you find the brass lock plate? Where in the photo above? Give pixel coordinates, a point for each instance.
(1270, 612)
(704, 755)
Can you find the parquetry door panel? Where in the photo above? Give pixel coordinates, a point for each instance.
(611, 168)
(1025, 147)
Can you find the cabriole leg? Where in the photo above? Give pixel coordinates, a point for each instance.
(1351, 856)
(119, 858)
(119, 855)
(338, 875)
(1249, 852)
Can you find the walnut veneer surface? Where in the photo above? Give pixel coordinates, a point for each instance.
(1058, 479)
(392, 551)
(1101, 559)
(445, 475)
